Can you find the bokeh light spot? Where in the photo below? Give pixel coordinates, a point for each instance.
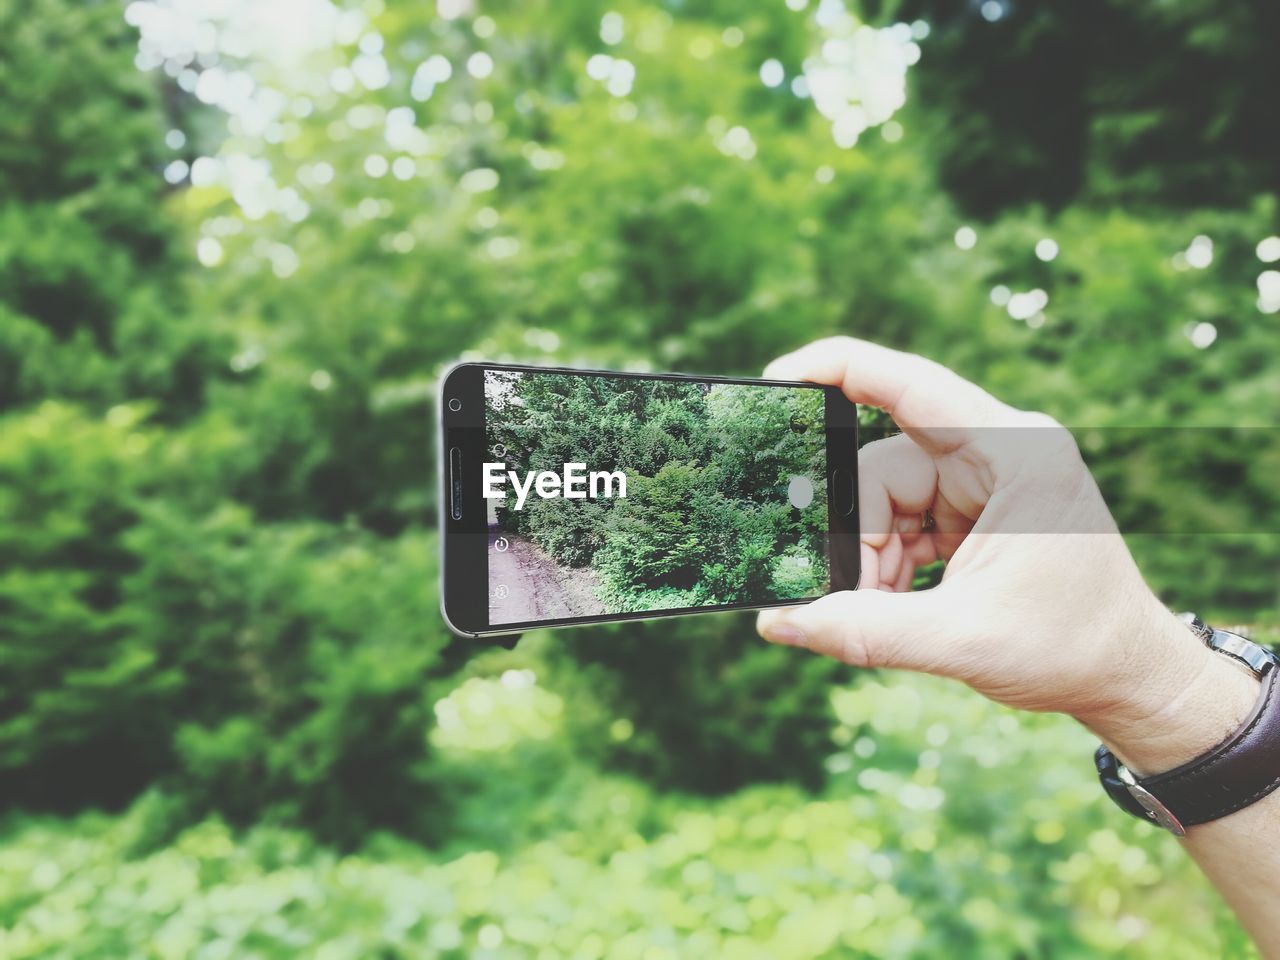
(1200, 253)
(1269, 250)
(209, 252)
(1203, 335)
(1046, 249)
(611, 28)
(480, 65)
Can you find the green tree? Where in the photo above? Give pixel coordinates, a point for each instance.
(92, 301)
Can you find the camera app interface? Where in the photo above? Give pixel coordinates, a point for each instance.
(610, 495)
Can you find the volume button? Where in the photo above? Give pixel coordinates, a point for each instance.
(455, 483)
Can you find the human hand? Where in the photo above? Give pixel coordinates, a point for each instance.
(1041, 606)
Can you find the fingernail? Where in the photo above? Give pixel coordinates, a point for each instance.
(780, 631)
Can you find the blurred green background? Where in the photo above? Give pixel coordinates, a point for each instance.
(240, 240)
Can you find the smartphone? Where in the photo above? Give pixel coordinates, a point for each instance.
(574, 497)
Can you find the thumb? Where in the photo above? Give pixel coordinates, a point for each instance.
(868, 628)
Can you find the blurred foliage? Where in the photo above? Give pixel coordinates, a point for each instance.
(698, 705)
(88, 263)
(228, 282)
(1078, 110)
(951, 827)
(278, 668)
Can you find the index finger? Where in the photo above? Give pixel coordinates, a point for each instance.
(932, 404)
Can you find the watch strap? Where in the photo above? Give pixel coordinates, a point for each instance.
(1239, 771)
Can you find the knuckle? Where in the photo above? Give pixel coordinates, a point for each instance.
(854, 648)
(1041, 421)
(1047, 444)
(879, 452)
(840, 631)
(836, 346)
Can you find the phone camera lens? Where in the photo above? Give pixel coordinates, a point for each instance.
(455, 404)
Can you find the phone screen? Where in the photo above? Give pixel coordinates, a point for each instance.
(609, 496)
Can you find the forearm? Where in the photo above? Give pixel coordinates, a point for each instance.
(1240, 855)
(1205, 698)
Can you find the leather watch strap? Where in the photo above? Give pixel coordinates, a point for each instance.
(1241, 770)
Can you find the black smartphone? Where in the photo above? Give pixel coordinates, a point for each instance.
(587, 496)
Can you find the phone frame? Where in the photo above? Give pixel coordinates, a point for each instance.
(464, 561)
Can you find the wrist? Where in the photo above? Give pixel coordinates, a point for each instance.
(1181, 700)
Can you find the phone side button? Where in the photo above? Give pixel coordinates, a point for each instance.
(842, 492)
(455, 482)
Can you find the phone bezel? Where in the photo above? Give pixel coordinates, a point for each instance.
(464, 562)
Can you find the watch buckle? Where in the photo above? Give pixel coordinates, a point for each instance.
(1156, 810)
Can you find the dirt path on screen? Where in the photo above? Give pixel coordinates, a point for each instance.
(537, 588)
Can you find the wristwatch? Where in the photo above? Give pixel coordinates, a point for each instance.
(1239, 771)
